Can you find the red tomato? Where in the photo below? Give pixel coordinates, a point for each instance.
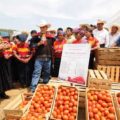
(106, 112)
(108, 99)
(66, 112)
(95, 110)
(111, 116)
(97, 117)
(100, 96)
(74, 109)
(91, 114)
(71, 118)
(65, 117)
(111, 109)
(61, 108)
(104, 104)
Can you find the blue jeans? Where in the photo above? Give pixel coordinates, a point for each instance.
(40, 65)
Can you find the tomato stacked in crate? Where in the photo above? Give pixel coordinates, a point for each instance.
(66, 104)
(41, 103)
(100, 105)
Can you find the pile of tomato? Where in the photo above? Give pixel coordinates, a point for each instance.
(41, 102)
(23, 104)
(33, 116)
(100, 105)
(66, 104)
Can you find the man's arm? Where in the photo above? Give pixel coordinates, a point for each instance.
(107, 39)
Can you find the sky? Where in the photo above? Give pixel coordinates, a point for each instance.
(27, 14)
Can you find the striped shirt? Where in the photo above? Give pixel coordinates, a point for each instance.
(22, 50)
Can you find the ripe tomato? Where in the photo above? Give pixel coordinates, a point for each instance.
(91, 114)
(66, 112)
(61, 108)
(98, 106)
(111, 116)
(71, 118)
(74, 109)
(100, 96)
(97, 117)
(106, 112)
(111, 110)
(66, 107)
(95, 110)
(104, 104)
(59, 117)
(108, 99)
(65, 117)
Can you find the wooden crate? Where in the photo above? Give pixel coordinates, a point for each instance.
(86, 98)
(117, 106)
(58, 82)
(82, 93)
(108, 56)
(47, 114)
(12, 110)
(112, 71)
(98, 79)
(51, 117)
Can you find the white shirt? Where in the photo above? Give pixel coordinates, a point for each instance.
(113, 38)
(70, 39)
(102, 36)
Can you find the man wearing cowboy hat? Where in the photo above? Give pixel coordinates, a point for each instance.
(101, 34)
(114, 34)
(42, 57)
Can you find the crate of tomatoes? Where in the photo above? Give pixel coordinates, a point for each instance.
(117, 103)
(66, 104)
(41, 103)
(99, 105)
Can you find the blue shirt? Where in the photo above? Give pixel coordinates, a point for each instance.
(118, 42)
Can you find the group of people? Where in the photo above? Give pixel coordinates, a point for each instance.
(26, 60)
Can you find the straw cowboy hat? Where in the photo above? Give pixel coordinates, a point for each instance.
(43, 24)
(116, 25)
(85, 25)
(101, 21)
(51, 29)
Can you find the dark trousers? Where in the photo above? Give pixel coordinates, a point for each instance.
(102, 45)
(56, 66)
(24, 74)
(91, 60)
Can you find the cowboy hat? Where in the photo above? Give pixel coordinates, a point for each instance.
(101, 21)
(43, 24)
(51, 29)
(85, 25)
(116, 25)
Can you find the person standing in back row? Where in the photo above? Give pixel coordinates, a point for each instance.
(114, 34)
(58, 48)
(101, 34)
(69, 35)
(43, 57)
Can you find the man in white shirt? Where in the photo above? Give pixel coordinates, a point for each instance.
(101, 34)
(69, 35)
(114, 34)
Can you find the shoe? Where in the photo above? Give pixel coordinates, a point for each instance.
(23, 86)
(4, 96)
